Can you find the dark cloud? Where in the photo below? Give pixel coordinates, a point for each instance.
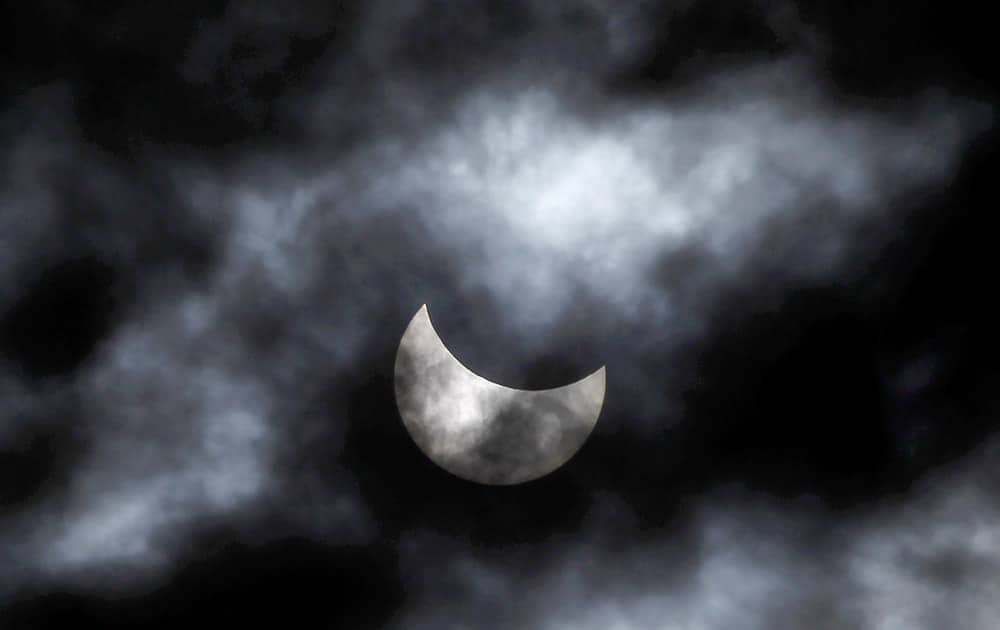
(287, 581)
(878, 49)
(694, 37)
(61, 317)
(37, 458)
(144, 75)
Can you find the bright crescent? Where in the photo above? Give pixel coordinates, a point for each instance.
(480, 430)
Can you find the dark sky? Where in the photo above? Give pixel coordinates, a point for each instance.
(773, 222)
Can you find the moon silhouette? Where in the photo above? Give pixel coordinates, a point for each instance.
(482, 431)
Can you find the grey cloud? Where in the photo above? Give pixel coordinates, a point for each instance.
(738, 560)
(542, 214)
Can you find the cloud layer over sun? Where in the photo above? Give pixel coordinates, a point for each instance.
(208, 256)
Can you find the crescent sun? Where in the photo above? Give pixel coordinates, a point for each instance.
(482, 431)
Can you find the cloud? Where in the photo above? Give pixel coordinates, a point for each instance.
(270, 195)
(737, 558)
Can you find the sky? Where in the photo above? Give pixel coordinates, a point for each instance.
(771, 221)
